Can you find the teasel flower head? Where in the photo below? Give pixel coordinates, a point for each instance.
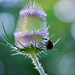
(32, 26)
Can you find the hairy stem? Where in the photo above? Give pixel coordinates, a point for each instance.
(37, 64)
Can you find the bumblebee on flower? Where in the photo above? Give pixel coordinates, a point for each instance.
(30, 33)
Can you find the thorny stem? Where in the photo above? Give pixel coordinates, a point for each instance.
(37, 64)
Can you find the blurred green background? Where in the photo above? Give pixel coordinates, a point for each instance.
(61, 18)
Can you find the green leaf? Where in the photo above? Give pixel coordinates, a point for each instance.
(9, 40)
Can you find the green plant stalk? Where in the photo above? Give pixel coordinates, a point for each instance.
(37, 64)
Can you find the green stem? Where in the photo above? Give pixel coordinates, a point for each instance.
(37, 64)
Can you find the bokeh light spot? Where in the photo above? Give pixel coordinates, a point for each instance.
(67, 64)
(9, 3)
(8, 21)
(65, 11)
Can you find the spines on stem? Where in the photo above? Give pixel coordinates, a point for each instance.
(37, 64)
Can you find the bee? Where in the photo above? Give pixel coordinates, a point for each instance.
(49, 45)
